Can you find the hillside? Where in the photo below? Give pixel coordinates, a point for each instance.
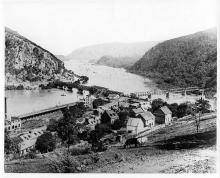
(94, 52)
(185, 61)
(117, 62)
(26, 62)
(61, 57)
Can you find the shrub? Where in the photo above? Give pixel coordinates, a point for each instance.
(80, 151)
(64, 164)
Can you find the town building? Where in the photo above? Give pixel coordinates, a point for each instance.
(13, 124)
(134, 126)
(136, 112)
(88, 100)
(163, 115)
(148, 119)
(92, 120)
(145, 105)
(113, 96)
(135, 105)
(28, 140)
(109, 117)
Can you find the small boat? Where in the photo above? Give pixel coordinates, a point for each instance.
(63, 94)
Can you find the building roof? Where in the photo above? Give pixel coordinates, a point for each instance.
(15, 119)
(165, 110)
(147, 115)
(138, 110)
(135, 104)
(134, 122)
(111, 113)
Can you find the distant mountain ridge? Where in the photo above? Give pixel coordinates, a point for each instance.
(95, 52)
(25, 61)
(190, 60)
(117, 62)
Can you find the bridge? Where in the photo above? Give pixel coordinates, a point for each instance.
(44, 111)
(167, 92)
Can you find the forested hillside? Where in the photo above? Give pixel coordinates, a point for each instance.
(117, 62)
(185, 61)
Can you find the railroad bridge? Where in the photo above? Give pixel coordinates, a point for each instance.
(167, 92)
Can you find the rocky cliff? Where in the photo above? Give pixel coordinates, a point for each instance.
(26, 62)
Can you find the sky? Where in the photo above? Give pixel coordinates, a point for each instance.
(62, 26)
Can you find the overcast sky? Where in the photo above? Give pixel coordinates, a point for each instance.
(63, 26)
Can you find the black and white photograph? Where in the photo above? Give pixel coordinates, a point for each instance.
(109, 86)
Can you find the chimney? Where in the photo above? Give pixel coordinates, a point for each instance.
(5, 107)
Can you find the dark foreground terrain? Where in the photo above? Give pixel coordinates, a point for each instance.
(174, 149)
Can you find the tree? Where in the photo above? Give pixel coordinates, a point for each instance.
(156, 104)
(67, 128)
(11, 145)
(184, 109)
(46, 142)
(202, 105)
(98, 102)
(121, 122)
(174, 109)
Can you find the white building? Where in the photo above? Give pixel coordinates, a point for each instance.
(13, 124)
(148, 119)
(88, 100)
(135, 125)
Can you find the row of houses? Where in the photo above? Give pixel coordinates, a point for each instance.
(144, 120)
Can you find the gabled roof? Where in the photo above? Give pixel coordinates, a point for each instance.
(135, 104)
(138, 111)
(133, 122)
(111, 113)
(147, 115)
(165, 110)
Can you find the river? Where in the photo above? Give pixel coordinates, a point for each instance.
(24, 101)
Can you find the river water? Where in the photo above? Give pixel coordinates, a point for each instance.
(24, 101)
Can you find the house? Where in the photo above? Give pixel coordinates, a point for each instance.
(163, 115)
(28, 140)
(136, 112)
(109, 117)
(145, 105)
(135, 105)
(88, 100)
(148, 119)
(134, 126)
(113, 96)
(13, 124)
